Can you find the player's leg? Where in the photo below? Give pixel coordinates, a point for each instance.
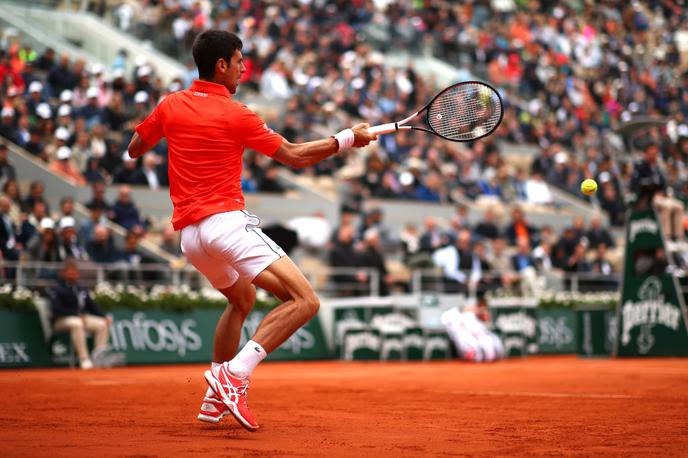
(233, 239)
(241, 296)
(230, 380)
(228, 330)
(284, 279)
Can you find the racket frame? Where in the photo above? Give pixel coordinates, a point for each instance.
(400, 125)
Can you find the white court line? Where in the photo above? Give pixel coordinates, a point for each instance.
(537, 394)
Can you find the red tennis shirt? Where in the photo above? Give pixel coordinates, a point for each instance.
(206, 135)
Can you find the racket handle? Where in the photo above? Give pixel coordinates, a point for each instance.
(383, 128)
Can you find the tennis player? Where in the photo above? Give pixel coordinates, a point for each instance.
(206, 133)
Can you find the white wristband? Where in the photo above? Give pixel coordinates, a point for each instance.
(345, 139)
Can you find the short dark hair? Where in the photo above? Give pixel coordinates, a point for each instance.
(212, 45)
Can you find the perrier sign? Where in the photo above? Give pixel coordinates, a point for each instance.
(652, 312)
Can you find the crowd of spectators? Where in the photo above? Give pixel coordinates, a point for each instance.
(512, 256)
(30, 230)
(569, 73)
(78, 120)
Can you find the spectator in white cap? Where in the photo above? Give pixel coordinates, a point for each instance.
(35, 97)
(64, 111)
(8, 129)
(63, 166)
(97, 74)
(91, 112)
(62, 137)
(143, 71)
(36, 87)
(141, 97)
(67, 96)
(140, 104)
(44, 247)
(69, 243)
(43, 111)
(143, 77)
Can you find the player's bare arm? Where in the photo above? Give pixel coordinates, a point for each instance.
(137, 147)
(299, 155)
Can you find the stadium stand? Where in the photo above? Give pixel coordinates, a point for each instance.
(564, 80)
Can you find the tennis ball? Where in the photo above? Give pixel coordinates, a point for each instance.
(589, 187)
(485, 96)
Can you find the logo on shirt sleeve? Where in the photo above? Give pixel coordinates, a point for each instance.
(268, 129)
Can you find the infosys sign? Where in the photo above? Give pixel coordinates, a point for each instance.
(142, 333)
(160, 337)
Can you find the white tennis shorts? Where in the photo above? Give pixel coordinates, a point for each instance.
(228, 245)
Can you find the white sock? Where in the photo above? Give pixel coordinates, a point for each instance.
(209, 392)
(247, 359)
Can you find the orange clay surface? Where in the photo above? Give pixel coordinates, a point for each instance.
(533, 406)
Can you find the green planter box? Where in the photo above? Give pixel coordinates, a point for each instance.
(556, 330)
(22, 343)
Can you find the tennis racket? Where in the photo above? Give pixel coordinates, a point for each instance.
(463, 112)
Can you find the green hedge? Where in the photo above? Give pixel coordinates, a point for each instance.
(111, 297)
(608, 300)
(171, 298)
(17, 299)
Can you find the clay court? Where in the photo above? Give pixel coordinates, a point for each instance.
(540, 405)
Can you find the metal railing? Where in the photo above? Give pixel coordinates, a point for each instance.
(328, 282)
(527, 283)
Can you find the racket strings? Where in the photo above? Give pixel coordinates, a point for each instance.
(465, 112)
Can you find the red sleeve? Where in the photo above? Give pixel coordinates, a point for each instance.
(150, 130)
(253, 133)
